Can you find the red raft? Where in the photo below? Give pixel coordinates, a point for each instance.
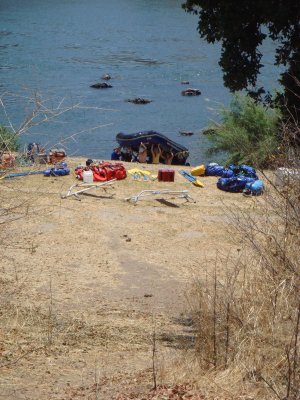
(104, 171)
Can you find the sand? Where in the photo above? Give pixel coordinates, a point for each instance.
(86, 285)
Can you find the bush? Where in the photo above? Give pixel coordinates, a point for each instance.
(8, 140)
(248, 133)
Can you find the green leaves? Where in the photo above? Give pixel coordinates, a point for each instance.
(8, 140)
(248, 133)
(241, 27)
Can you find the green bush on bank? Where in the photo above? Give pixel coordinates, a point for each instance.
(8, 140)
(248, 132)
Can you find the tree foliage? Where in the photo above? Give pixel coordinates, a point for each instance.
(248, 133)
(241, 27)
(8, 140)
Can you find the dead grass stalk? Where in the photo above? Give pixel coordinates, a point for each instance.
(247, 312)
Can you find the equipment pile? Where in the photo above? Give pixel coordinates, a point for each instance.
(102, 171)
(235, 179)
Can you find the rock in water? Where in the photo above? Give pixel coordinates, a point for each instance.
(191, 92)
(101, 85)
(106, 77)
(186, 133)
(139, 100)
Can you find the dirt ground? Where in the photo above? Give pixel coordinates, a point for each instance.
(90, 288)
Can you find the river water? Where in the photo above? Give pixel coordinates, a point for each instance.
(59, 48)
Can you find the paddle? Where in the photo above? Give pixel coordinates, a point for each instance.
(16, 174)
(191, 178)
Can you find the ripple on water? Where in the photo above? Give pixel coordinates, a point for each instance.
(5, 33)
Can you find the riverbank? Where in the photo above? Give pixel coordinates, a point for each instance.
(86, 285)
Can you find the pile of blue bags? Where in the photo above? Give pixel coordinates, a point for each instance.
(236, 178)
(60, 169)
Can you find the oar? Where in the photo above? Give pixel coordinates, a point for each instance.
(191, 178)
(16, 174)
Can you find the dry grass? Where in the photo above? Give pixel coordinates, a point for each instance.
(65, 309)
(77, 296)
(247, 311)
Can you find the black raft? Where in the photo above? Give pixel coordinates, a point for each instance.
(133, 140)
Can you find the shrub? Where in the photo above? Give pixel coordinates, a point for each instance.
(248, 133)
(8, 140)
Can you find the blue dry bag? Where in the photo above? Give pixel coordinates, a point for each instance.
(235, 184)
(244, 170)
(255, 188)
(228, 173)
(59, 170)
(214, 170)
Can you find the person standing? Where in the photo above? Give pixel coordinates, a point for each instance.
(156, 153)
(116, 154)
(142, 153)
(168, 157)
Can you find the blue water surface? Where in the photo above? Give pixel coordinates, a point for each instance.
(54, 50)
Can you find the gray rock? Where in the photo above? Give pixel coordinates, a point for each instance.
(106, 77)
(186, 133)
(101, 85)
(191, 92)
(139, 100)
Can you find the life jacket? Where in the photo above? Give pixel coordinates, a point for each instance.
(56, 155)
(104, 171)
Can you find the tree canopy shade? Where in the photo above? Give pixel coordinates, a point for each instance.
(241, 26)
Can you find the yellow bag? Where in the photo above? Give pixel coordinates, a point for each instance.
(198, 171)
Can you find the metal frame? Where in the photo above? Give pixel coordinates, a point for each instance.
(144, 193)
(86, 186)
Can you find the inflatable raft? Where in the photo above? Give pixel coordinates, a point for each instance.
(133, 141)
